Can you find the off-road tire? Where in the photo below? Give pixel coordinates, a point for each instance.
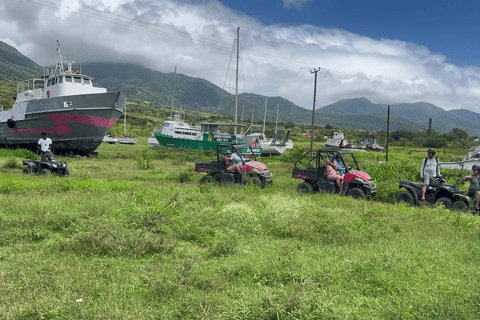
(356, 193)
(44, 171)
(460, 206)
(405, 197)
(445, 201)
(304, 188)
(66, 172)
(206, 179)
(257, 181)
(26, 170)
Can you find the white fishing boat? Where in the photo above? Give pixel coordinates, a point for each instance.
(471, 158)
(65, 105)
(338, 140)
(110, 139)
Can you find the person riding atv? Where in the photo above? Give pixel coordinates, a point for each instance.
(311, 168)
(48, 164)
(231, 170)
(437, 192)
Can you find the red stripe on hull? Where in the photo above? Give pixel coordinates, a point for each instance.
(63, 128)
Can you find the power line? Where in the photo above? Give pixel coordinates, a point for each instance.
(206, 42)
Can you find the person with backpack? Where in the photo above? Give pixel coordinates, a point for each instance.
(474, 189)
(429, 171)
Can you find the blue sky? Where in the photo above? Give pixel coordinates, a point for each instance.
(387, 52)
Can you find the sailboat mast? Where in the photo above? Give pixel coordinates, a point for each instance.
(236, 78)
(173, 92)
(276, 122)
(265, 116)
(125, 121)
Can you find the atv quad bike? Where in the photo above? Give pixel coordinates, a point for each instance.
(40, 167)
(254, 171)
(310, 168)
(438, 192)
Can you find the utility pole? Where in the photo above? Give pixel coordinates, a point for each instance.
(236, 81)
(388, 132)
(313, 111)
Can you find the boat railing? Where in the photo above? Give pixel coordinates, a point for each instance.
(29, 95)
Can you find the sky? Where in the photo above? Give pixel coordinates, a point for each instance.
(388, 52)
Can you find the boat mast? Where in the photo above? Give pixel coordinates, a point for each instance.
(265, 116)
(173, 93)
(125, 122)
(236, 79)
(276, 123)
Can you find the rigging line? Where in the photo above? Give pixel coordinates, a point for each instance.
(257, 54)
(251, 64)
(230, 61)
(178, 37)
(131, 19)
(89, 15)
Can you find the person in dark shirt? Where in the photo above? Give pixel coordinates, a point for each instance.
(474, 189)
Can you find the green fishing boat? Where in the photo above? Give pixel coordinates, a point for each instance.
(206, 136)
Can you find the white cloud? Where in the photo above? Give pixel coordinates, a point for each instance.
(297, 4)
(197, 36)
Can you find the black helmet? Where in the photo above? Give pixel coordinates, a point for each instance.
(475, 167)
(432, 151)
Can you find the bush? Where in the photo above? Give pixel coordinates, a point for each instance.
(12, 163)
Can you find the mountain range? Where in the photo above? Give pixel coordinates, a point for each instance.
(142, 84)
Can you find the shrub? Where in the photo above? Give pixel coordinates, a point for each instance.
(12, 163)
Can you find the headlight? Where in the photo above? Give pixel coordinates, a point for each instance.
(54, 165)
(360, 179)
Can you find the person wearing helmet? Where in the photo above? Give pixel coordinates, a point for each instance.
(474, 189)
(428, 171)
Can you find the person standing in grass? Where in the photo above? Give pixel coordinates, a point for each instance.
(45, 146)
(429, 171)
(474, 189)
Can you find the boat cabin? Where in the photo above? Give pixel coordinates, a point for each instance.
(58, 83)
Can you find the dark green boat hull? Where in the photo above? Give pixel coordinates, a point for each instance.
(171, 142)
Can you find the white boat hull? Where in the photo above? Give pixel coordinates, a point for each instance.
(460, 165)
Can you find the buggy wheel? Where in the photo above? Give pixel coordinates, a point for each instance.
(66, 172)
(257, 181)
(445, 201)
(304, 188)
(460, 206)
(405, 197)
(357, 193)
(26, 170)
(44, 171)
(206, 179)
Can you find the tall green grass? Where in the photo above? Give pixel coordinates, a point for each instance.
(151, 244)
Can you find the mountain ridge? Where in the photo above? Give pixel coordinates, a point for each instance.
(143, 84)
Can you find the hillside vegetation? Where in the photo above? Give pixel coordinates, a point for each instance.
(132, 235)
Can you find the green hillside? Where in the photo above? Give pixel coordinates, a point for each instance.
(144, 86)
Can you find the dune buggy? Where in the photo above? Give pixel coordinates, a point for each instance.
(310, 168)
(253, 171)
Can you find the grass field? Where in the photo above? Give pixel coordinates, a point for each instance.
(132, 235)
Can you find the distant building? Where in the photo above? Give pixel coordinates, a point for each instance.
(308, 134)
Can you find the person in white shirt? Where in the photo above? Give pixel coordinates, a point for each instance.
(45, 146)
(429, 170)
